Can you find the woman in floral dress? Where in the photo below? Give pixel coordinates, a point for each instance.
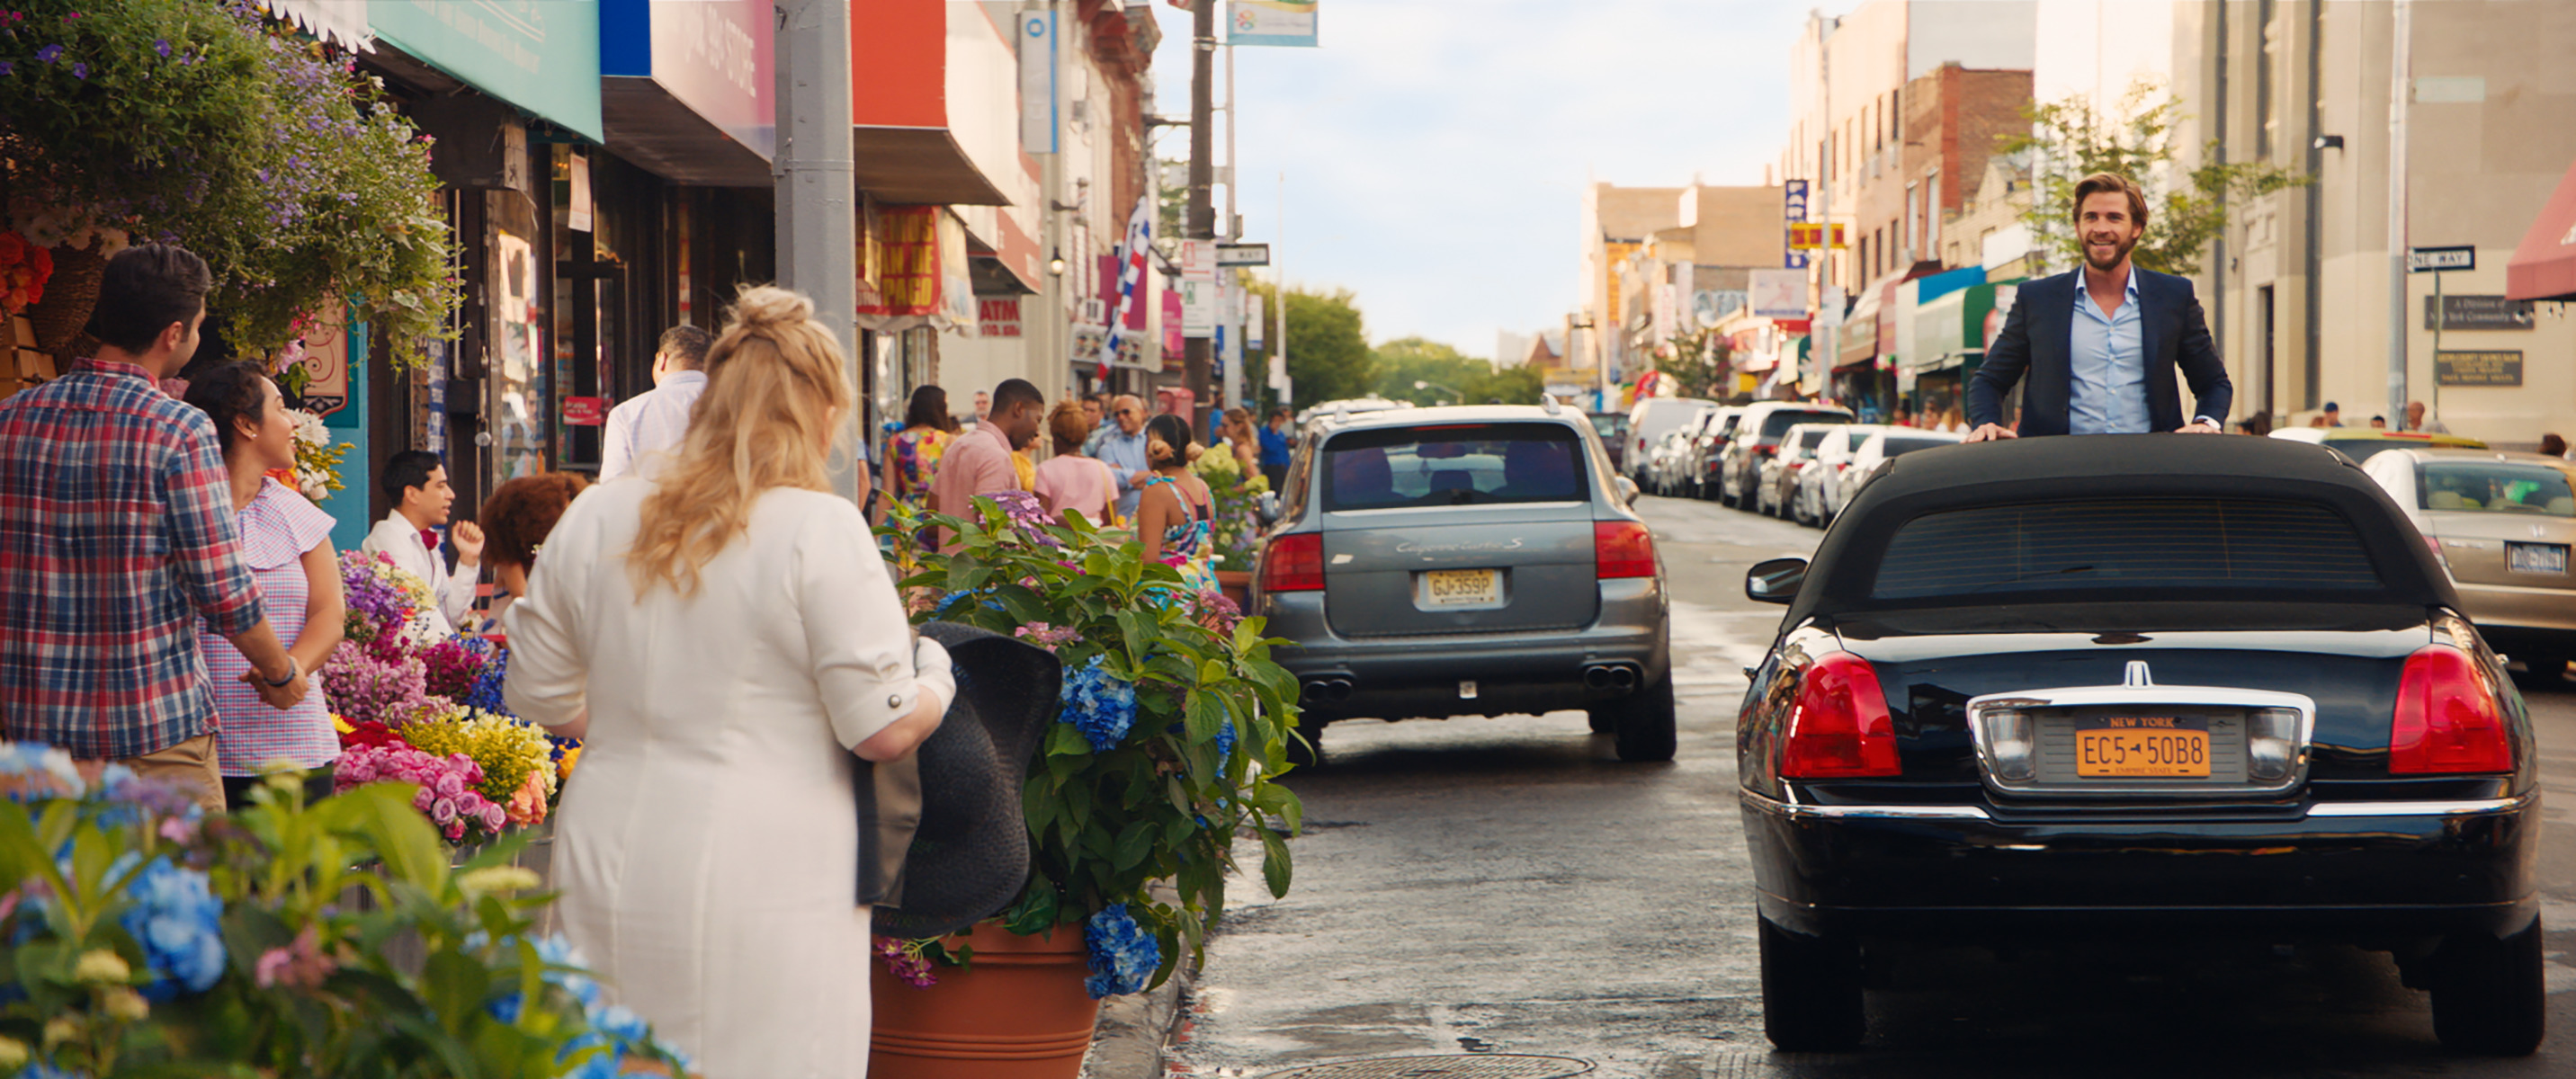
(1172, 512)
(912, 455)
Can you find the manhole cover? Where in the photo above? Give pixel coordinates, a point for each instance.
(1456, 1066)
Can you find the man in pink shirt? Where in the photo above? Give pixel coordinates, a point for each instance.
(979, 462)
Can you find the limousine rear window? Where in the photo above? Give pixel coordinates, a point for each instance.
(2153, 545)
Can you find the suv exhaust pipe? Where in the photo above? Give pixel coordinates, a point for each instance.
(1614, 678)
(1328, 690)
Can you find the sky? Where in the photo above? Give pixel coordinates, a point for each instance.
(1435, 151)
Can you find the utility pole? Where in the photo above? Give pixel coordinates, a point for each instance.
(1201, 225)
(2399, 65)
(1229, 291)
(818, 193)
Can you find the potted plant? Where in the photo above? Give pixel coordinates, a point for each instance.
(1174, 729)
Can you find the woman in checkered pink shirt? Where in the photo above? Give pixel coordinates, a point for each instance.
(286, 543)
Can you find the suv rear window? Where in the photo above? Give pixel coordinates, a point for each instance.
(2495, 487)
(1453, 465)
(1778, 423)
(2200, 544)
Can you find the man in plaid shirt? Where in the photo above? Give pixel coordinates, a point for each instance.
(116, 535)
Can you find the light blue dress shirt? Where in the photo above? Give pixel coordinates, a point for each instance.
(2108, 393)
(1125, 454)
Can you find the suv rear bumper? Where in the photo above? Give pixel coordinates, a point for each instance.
(1515, 672)
(2354, 871)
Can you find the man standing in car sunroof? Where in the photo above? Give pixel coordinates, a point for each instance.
(2101, 342)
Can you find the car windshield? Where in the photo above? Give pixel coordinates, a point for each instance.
(1453, 465)
(2495, 487)
(1806, 443)
(1900, 446)
(1778, 423)
(1609, 426)
(2142, 544)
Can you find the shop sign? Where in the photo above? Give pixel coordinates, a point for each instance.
(1793, 209)
(325, 363)
(542, 57)
(903, 258)
(1037, 81)
(1271, 22)
(2477, 368)
(2478, 313)
(1779, 293)
(585, 411)
(712, 56)
(997, 316)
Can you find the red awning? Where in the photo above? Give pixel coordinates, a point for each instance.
(2544, 267)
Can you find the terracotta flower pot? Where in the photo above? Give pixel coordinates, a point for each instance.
(1018, 1011)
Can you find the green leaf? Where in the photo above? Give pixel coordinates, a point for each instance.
(1133, 844)
(1206, 712)
(1275, 870)
(1065, 739)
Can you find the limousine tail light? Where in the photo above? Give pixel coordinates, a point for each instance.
(1622, 549)
(1294, 563)
(2447, 717)
(1841, 728)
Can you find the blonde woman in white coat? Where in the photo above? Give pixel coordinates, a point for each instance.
(725, 635)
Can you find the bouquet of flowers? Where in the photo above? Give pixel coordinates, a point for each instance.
(448, 794)
(24, 269)
(516, 759)
(384, 600)
(317, 460)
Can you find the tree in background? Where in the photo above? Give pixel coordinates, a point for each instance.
(1451, 377)
(1697, 362)
(2074, 140)
(1328, 352)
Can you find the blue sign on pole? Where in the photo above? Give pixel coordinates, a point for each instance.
(1793, 209)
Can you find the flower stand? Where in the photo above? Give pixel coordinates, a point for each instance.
(1018, 1011)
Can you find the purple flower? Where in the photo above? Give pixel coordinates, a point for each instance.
(7, 68)
(50, 53)
(80, 71)
(162, 46)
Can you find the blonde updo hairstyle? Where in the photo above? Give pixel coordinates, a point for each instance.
(777, 390)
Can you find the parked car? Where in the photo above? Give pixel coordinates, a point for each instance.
(1683, 481)
(1347, 407)
(1703, 454)
(1648, 422)
(2502, 525)
(1663, 461)
(1613, 429)
(2360, 443)
(1871, 459)
(1757, 436)
(1776, 477)
(2136, 687)
(1832, 457)
(1477, 560)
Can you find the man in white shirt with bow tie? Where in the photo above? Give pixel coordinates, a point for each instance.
(416, 481)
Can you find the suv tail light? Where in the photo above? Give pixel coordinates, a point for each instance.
(1293, 563)
(2448, 719)
(1622, 549)
(1760, 450)
(1841, 727)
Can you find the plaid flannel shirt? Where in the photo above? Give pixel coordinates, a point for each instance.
(116, 532)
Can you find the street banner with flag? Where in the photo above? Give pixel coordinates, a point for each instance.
(1132, 253)
(1271, 22)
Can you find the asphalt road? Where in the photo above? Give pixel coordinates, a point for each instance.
(1491, 888)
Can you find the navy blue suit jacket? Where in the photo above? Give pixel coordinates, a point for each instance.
(2036, 341)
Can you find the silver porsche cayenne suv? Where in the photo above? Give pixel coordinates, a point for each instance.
(1478, 560)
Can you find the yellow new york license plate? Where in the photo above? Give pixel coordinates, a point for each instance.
(2131, 747)
(1463, 587)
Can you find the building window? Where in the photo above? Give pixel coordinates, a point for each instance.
(2266, 118)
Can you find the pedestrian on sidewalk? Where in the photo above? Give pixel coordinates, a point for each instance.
(656, 420)
(415, 481)
(727, 640)
(516, 520)
(1071, 482)
(286, 543)
(912, 456)
(1275, 452)
(1124, 450)
(2082, 337)
(980, 461)
(117, 535)
(1173, 515)
(2420, 419)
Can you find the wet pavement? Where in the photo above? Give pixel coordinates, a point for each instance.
(1476, 895)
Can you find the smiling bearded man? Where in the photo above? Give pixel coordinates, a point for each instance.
(2101, 343)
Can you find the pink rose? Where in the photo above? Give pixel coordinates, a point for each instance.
(450, 785)
(493, 818)
(443, 811)
(271, 963)
(422, 800)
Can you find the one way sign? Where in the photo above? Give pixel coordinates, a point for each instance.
(2428, 259)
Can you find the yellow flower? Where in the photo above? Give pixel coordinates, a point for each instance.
(61, 1029)
(502, 879)
(126, 1005)
(509, 750)
(13, 1053)
(100, 966)
(341, 725)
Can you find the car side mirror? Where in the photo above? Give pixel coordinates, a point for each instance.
(1269, 508)
(1627, 491)
(1775, 580)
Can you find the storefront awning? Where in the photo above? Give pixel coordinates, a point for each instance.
(2544, 266)
(685, 89)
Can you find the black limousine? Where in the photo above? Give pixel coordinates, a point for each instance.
(2198, 685)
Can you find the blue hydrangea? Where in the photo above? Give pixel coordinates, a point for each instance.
(485, 693)
(41, 1070)
(1101, 704)
(954, 598)
(178, 921)
(1123, 956)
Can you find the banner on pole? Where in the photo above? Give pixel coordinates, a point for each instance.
(1037, 81)
(1272, 22)
(1199, 314)
(1131, 280)
(1255, 328)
